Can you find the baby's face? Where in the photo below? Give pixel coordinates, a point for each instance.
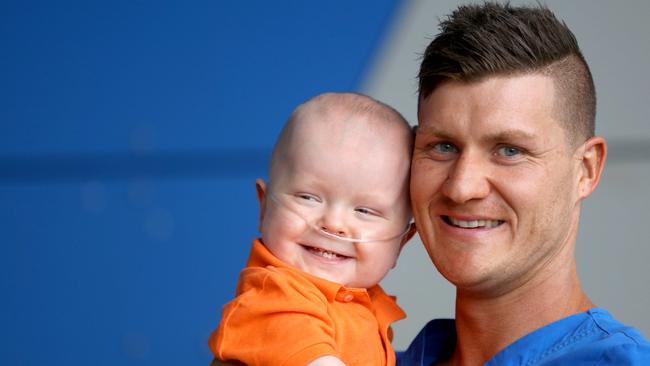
(348, 178)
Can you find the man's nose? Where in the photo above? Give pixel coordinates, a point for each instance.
(467, 179)
(333, 222)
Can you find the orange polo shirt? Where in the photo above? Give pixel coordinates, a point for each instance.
(283, 316)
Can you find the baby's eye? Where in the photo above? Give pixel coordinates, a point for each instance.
(367, 211)
(308, 197)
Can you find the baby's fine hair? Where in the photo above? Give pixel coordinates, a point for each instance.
(354, 104)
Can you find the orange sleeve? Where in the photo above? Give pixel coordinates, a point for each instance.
(278, 319)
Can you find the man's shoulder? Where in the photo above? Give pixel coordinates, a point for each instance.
(617, 343)
(616, 329)
(590, 338)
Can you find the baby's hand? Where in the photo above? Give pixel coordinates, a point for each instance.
(326, 361)
(321, 361)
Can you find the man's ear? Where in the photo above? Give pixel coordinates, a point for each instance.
(592, 163)
(260, 189)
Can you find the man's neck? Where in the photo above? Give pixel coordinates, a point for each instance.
(485, 325)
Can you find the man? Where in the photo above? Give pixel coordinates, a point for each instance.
(505, 152)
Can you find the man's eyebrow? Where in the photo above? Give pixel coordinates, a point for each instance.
(433, 131)
(509, 135)
(504, 135)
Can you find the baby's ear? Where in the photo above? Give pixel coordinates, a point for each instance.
(408, 235)
(405, 238)
(260, 189)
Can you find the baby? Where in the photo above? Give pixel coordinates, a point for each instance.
(334, 216)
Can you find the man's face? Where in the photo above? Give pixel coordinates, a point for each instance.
(494, 182)
(344, 177)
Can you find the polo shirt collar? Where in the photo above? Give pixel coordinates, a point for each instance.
(262, 257)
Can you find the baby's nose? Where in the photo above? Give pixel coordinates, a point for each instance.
(334, 230)
(333, 223)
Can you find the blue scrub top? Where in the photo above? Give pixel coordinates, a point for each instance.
(589, 338)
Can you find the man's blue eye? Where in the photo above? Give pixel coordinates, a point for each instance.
(508, 151)
(445, 147)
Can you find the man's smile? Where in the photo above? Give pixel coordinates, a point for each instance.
(472, 224)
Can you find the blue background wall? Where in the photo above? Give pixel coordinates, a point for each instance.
(130, 136)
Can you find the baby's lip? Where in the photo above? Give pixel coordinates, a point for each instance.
(323, 248)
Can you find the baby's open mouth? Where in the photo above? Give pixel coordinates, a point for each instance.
(472, 224)
(327, 254)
